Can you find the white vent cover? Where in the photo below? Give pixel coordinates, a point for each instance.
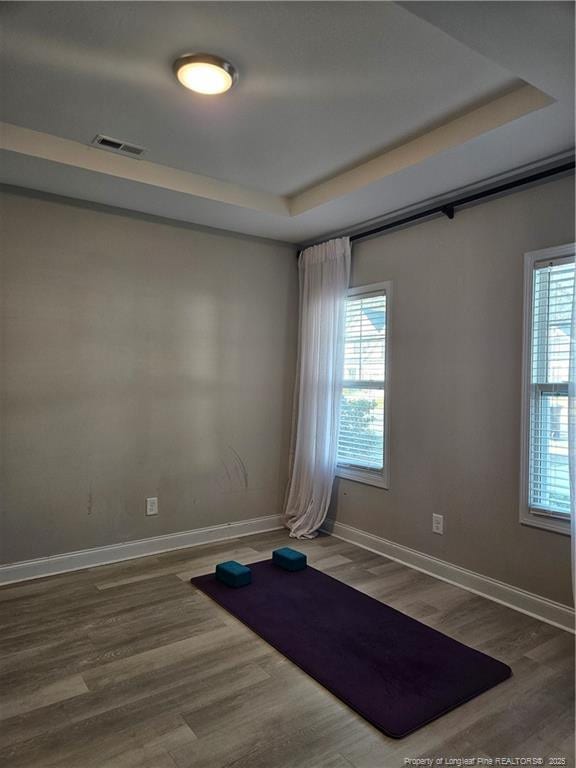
(115, 145)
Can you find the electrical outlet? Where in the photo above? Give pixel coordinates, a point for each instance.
(152, 506)
(438, 524)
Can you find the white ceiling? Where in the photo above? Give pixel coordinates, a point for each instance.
(324, 88)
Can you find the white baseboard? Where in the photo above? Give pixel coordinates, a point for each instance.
(538, 607)
(89, 558)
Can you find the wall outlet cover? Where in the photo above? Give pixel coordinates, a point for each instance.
(151, 506)
(438, 524)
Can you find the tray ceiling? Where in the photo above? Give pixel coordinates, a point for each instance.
(335, 101)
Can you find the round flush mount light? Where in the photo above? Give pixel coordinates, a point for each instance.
(205, 73)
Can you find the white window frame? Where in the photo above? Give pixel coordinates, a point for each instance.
(534, 517)
(378, 477)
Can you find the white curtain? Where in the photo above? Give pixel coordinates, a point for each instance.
(324, 272)
(572, 438)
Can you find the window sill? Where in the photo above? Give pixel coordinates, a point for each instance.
(364, 476)
(545, 522)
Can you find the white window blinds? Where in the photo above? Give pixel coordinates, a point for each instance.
(362, 410)
(548, 475)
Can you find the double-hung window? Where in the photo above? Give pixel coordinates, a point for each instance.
(545, 478)
(364, 424)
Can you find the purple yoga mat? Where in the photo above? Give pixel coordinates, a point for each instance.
(396, 672)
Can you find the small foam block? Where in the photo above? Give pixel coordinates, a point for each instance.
(233, 574)
(289, 559)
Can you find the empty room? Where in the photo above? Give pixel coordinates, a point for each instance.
(287, 384)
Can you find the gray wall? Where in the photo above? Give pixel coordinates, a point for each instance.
(455, 376)
(139, 358)
(145, 358)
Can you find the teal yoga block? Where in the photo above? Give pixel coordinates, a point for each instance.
(289, 559)
(233, 574)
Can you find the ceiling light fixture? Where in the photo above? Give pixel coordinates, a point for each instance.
(205, 73)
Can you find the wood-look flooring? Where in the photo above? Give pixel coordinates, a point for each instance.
(128, 666)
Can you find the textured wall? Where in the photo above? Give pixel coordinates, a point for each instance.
(455, 377)
(139, 358)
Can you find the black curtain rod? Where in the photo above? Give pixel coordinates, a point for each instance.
(448, 208)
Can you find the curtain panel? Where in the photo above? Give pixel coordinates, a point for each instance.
(324, 272)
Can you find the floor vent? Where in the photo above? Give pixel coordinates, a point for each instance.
(115, 145)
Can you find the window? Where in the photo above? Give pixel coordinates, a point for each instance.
(549, 289)
(363, 439)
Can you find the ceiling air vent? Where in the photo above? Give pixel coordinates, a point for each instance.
(121, 147)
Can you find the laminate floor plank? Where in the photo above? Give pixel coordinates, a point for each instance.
(184, 569)
(127, 665)
(13, 704)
